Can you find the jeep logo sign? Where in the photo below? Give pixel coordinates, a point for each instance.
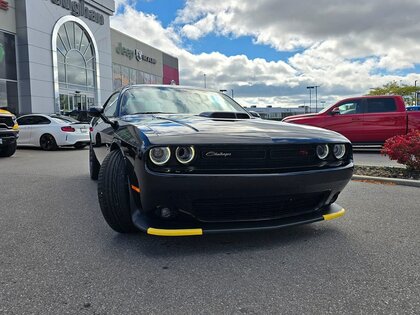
(130, 54)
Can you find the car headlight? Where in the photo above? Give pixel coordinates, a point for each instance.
(185, 155)
(322, 151)
(160, 155)
(339, 150)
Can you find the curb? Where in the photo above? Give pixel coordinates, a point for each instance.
(395, 181)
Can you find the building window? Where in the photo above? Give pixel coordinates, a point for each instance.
(76, 66)
(8, 73)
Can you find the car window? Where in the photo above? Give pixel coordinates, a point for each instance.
(33, 120)
(110, 107)
(23, 121)
(40, 120)
(351, 107)
(380, 105)
(66, 119)
(171, 100)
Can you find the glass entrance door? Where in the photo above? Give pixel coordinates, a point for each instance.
(75, 102)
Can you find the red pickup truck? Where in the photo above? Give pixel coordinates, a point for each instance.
(364, 120)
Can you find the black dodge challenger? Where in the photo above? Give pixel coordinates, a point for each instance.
(175, 161)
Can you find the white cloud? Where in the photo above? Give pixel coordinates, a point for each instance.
(343, 46)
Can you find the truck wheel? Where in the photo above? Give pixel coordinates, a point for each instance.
(47, 142)
(8, 151)
(94, 165)
(113, 193)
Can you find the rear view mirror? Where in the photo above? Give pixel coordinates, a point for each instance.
(335, 111)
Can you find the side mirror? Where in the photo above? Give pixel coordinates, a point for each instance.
(254, 114)
(96, 111)
(99, 112)
(335, 111)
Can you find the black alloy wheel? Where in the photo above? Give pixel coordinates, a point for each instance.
(113, 193)
(48, 143)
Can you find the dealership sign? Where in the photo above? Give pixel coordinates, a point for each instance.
(78, 8)
(130, 54)
(4, 5)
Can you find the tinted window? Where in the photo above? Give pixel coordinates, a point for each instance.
(39, 120)
(111, 106)
(33, 120)
(351, 107)
(23, 121)
(66, 119)
(380, 105)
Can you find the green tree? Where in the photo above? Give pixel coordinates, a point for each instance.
(408, 92)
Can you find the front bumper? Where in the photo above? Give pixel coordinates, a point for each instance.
(8, 137)
(142, 222)
(181, 191)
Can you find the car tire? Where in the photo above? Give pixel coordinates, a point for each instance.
(94, 165)
(80, 145)
(8, 151)
(113, 193)
(47, 142)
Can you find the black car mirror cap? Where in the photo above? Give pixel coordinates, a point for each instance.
(255, 114)
(335, 111)
(96, 111)
(99, 112)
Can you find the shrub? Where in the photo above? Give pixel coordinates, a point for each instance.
(404, 149)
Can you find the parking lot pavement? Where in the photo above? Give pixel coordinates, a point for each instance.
(373, 158)
(58, 256)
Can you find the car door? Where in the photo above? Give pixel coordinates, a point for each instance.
(102, 134)
(39, 125)
(347, 119)
(382, 120)
(24, 123)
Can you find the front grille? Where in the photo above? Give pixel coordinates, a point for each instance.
(271, 157)
(256, 208)
(6, 122)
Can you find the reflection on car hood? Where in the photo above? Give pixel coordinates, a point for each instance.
(167, 129)
(291, 118)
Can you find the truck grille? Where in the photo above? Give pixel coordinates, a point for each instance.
(257, 208)
(6, 122)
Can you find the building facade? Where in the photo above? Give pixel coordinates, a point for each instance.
(61, 55)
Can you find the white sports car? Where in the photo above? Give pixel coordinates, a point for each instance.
(52, 131)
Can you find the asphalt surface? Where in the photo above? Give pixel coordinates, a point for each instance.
(373, 158)
(58, 256)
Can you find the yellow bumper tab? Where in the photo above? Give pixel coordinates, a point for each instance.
(332, 216)
(175, 232)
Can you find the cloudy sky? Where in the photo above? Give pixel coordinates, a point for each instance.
(269, 51)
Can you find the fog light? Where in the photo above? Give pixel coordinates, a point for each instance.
(322, 151)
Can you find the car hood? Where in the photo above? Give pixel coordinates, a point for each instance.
(295, 117)
(178, 129)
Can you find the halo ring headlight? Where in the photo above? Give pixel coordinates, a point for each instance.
(185, 155)
(339, 150)
(322, 151)
(160, 155)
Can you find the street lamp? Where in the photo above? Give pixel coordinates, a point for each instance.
(232, 92)
(415, 92)
(316, 95)
(310, 96)
(205, 83)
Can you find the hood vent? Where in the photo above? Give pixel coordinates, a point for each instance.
(227, 115)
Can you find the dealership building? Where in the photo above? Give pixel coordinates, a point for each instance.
(60, 55)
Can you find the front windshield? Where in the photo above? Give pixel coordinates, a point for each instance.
(172, 100)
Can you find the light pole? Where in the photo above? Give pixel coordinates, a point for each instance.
(415, 92)
(310, 96)
(232, 92)
(205, 83)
